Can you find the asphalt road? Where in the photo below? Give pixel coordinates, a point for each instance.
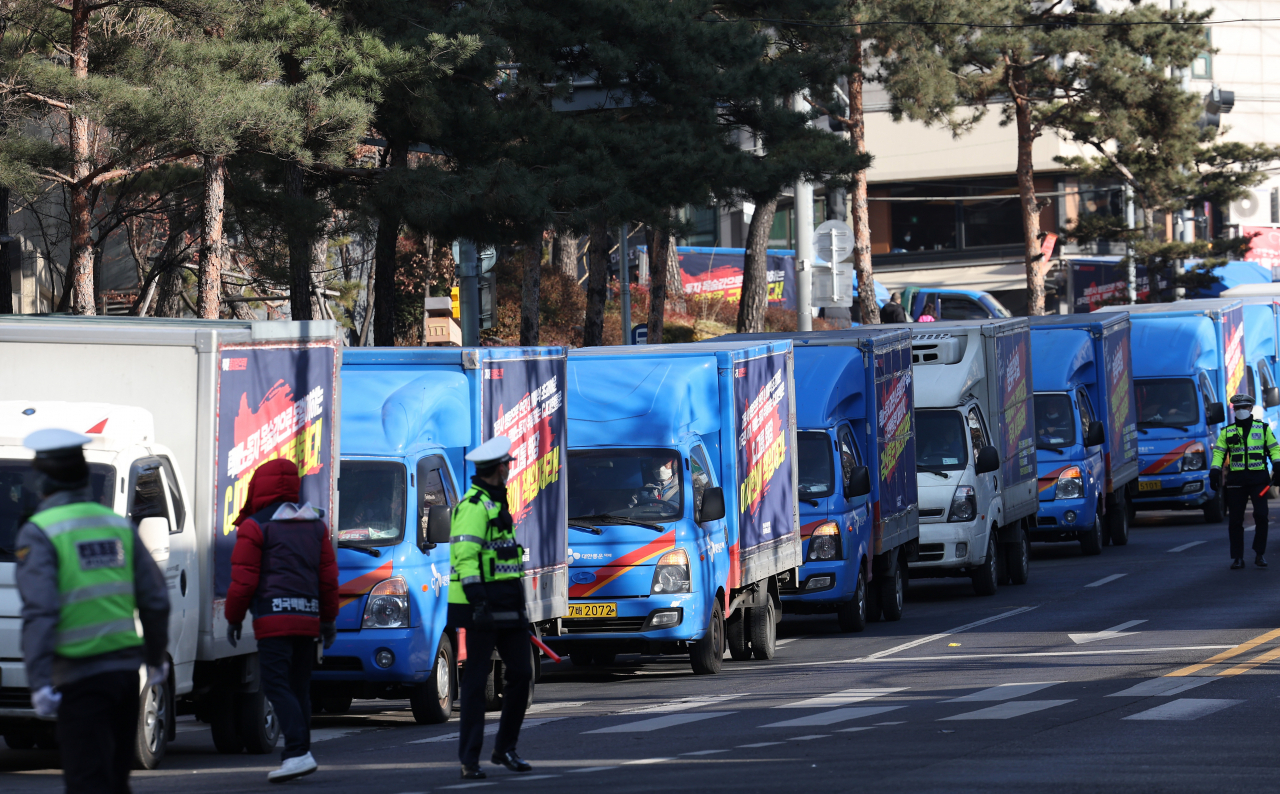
(1017, 692)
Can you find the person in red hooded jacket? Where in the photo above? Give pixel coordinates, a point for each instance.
(283, 569)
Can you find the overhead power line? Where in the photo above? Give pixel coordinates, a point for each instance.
(1050, 22)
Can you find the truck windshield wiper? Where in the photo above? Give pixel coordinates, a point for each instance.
(934, 470)
(1051, 449)
(582, 526)
(606, 518)
(1148, 423)
(343, 544)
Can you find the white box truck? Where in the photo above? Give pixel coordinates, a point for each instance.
(182, 413)
(975, 450)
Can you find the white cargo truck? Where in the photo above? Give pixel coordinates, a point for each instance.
(975, 450)
(181, 413)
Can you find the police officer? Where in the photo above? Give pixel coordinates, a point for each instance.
(1250, 444)
(486, 598)
(82, 572)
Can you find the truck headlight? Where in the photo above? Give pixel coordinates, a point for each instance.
(824, 543)
(387, 606)
(671, 574)
(1193, 458)
(1070, 484)
(964, 505)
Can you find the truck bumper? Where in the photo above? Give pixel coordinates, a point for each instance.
(949, 548)
(354, 656)
(1064, 519)
(1181, 491)
(821, 584)
(633, 628)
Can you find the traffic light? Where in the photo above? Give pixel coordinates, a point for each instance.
(488, 284)
(1217, 102)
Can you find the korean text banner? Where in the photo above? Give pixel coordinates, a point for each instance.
(894, 398)
(273, 402)
(1122, 428)
(718, 272)
(524, 401)
(1014, 378)
(1233, 348)
(764, 454)
(1097, 283)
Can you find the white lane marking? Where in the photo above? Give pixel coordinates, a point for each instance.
(1184, 709)
(533, 777)
(1004, 692)
(469, 785)
(832, 717)
(1161, 687)
(325, 734)
(784, 642)
(899, 722)
(684, 704)
(810, 736)
(489, 730)
(1106, 579)
(906, 645)
(1106, 634)
(1004, 711)
(1186, 546)
(705, 752)
(647, 761)
(843, 698)
(760, 744)
(658, 723)
(859, 728)
(594, 769)
(538, 708)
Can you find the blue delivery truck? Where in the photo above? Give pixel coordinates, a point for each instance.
(1261, 322)
(408, 418)
(859, 513)
(682, 508)
(1086, 428)
(1188, 359)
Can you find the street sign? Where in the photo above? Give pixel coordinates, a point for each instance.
(833, 241)
(487, 256)
(640, 334)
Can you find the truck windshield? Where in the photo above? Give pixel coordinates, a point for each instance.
(16, 504)
(371, 509)
(1055, 421)
(993, 303)
(817, 472)
(644, 484)
(1166, 402)
(942, 442)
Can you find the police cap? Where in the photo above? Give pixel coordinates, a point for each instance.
(491, 452)
(55, 442)
(1242, 400)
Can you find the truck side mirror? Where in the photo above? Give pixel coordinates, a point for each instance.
(437, 529)
(1271, 397)
(154, 534)
(859, 482)
(1096, 435)
(1215, 414)
(712, 508)
(988, 460)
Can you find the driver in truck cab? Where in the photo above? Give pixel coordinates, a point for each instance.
(662, 487)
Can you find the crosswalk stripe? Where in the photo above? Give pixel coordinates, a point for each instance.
(1106, 579)
(832, 717)
(1004, 692)
(1004, 711)
(489, 730)
(658, 723)
(843, 698)
(1161, 687)
(1186, 546)
(684, 704)
(1184, 709)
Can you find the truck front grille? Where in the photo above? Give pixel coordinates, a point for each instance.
(602, 625)
(14, 697)
(932, 552)
(340, 664)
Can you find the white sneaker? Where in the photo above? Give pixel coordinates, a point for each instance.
(293, 767)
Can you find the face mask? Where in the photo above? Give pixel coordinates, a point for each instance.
(664, 472)
(1243, 414)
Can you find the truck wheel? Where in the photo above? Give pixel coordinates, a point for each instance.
(764, 631)
(852, 614)
(336, 704)
(1213, 509)
(258, 723)
(1017, 558)
(891, 594)
(432, 700)
(1091, 538)
(1118, 520)
(153, 727)
(735, 632)
(985, 579)
(20, 741)
(224, 722)
(707, 654)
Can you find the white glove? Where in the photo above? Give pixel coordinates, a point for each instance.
(157, 675)
(45, 701)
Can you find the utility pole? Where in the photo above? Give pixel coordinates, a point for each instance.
(464, 254)
(1128, 246)
(1185, 219)
(624, 273)
(804, 256)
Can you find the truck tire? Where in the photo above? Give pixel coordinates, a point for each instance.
(19, 741)
(224, 722)
(852, 614)
(1091, 538)
(432, 700)
(873, 602)
(764, 631)
(892, 593)
(707, 654)
(1017, 558)
(986, 578)
(1214, 512)
(154, 715)
(1118, 520)
(735, 632)
(259, 725)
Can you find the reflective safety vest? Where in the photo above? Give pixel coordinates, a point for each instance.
(482, 544)
(1248, 452)
(95, 578)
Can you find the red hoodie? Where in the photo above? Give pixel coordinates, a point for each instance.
(275, 483)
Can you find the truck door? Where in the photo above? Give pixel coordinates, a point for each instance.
(986, 486)
(1087, 419)
(857, 511)
(153, 493)
(714, 542)
(435, 489)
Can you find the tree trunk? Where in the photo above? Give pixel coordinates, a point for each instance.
(319, 264)
(81, 264)
(597, 286)
(659, 240)
(1029, 205)
(299, 244)
(870, 311)
(209, 293)
(565, 251)
(755, 270)
(529, 297)
(675, 284)
(6, 256)
(384, 257)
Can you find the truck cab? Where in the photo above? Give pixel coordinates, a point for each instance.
(953, 304)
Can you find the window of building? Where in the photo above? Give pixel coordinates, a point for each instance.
(705, 223)
(1202, 66)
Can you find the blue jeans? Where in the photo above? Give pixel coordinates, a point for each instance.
(285, 663)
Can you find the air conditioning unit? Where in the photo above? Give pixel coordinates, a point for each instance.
(1252, 208)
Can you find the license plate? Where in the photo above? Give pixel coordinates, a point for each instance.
(1149, 485)
(593, 611)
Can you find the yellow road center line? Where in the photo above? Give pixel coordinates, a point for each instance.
(1274, 653)
(1225, 655)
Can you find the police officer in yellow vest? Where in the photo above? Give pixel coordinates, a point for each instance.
(486, 599)
(1247, 445)
(82, 573)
